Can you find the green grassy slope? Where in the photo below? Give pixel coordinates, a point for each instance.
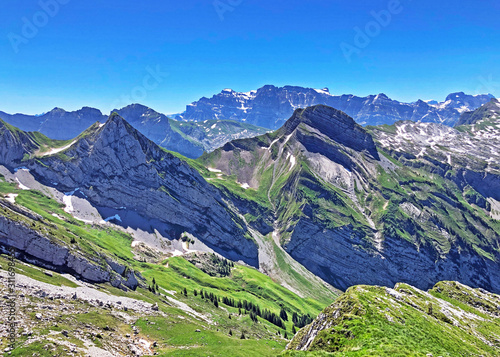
(449, 320)
(172, 276)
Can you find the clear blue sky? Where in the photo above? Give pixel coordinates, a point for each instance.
(99, 53)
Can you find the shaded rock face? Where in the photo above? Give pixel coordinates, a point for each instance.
(117, 167)
(343, 259)
(35, 248)
(271, 106)
(13, 145)
(337, 125)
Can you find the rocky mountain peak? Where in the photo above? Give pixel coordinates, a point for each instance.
(118, 134)
(132, 107)
(89, 111)
(55, 111)
(455, 96)
(334, 123)
(382, 96)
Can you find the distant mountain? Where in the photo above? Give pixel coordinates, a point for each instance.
(156, 127)
(57, 124)
(188, 139)
(271, 106)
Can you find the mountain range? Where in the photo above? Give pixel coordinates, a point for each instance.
(210, 123)
(352, 205)
(188, 139)
(321, 205)
(270, 106)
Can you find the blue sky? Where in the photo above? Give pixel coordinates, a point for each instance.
(166, 54)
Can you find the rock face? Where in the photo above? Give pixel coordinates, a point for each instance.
(337, 125)
(36, 248)
(14, 144)
(342, 258)
(271, 106)
(115, 166)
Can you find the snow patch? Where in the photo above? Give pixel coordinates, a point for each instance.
(11, 197)
(68, 202)
(213, 170)
(55, 151)
(323, 91)
(245, 185)
(21, 186)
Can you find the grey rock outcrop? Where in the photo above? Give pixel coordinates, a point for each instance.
(36, 248)
(335, 124)
(486, 111)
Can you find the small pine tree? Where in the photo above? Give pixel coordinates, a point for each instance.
(154, 281)
(242, 337)
(195, 292)
(286, 336)
(230, 332)
(185, 292)
(294, 330)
